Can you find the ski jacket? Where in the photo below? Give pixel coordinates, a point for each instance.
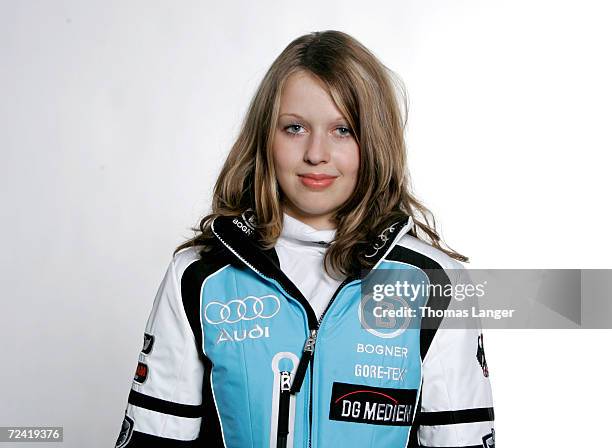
(234, 356)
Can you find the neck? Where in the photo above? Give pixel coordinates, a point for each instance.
(319, 222)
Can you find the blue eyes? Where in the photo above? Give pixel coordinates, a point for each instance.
(345, 132)
(292, 126)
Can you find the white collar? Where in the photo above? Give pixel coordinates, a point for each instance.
(295, 232)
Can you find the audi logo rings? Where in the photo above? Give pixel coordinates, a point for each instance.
(235, 310)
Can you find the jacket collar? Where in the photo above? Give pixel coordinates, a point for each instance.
(238, 235)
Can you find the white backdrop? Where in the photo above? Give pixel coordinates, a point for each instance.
(114, 120)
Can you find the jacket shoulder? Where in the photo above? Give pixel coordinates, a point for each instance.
(202, 263)
(185, 257)
(434, 254)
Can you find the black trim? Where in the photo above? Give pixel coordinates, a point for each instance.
(167, 407)
(273, 255)
(413, 440)
(425, 419)
(457, 416)
(210, 429)
(140, 439)
(191, 286)
(436, 275)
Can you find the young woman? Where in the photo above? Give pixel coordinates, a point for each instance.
(258, 334)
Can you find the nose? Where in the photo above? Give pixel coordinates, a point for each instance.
(317, 150)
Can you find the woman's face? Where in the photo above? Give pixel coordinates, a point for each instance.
(315, 154)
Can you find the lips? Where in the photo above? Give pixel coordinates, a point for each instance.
(317, 180)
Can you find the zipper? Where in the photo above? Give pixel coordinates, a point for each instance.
(307, 357)
(283, 410)
(308, 351)
(310, 407)
(309, 345)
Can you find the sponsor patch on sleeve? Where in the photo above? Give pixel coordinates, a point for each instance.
(142, 371)
(375, 405)
(480, 356)
(488, 441)
(147, 345)
(126, 432)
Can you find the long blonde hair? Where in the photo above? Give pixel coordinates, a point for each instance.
(373, 100)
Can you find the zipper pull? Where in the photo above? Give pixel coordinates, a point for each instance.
(300, 372)
(283, 410)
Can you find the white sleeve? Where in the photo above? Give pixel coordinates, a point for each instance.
(456, 402)
(164, 407)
